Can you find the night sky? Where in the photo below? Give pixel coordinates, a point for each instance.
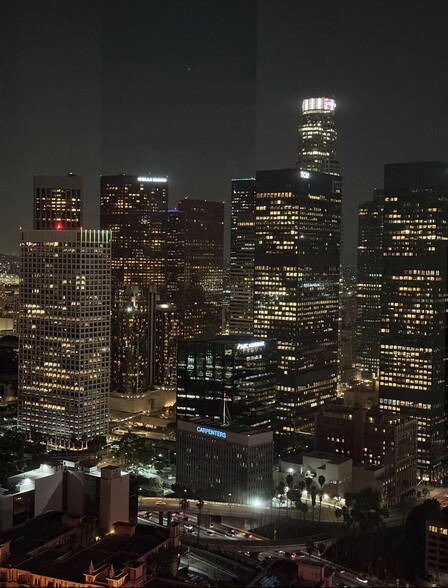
(204, 91)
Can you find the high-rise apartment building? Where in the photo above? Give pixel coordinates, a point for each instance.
(166, 339)
(57, 202)
(413, 349)
(369, 280)
(230, 378)
(64, 329)
(201, 259)
(134, 209)
(317, 136)
(296, 296)
(242, 256)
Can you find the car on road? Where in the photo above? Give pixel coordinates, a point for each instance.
(160, 503)
(190, 530)
(209, 533)
(147, 514)
(249, 536)
(187, 519)
(189, 527)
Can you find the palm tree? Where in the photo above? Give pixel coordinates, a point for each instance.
(321, 480)
(304, 510)
(310, 547)
(308, 482)
(200, 505)
(313, 492)
(289, 480)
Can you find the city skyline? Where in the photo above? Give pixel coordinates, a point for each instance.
(224, 100)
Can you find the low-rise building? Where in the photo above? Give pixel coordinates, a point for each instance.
(436, 548)
(235, 462)
(372, 437)
(108, 494)
(302, 573)
(59, 551)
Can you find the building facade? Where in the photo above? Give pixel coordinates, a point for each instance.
(242, 256)
(58, 202)
(318, 136)
(134, 209)
(199, 297)
(64, 334)
(229, 378)
(296, 293)
(369, 283)
(372, 438)
(235, 463)
(413, 350)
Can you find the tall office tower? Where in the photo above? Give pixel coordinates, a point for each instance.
(230, 378)
(413, 348)
(64, 330)
(296, 296)
(134, 209)
(369, 278)
(133, 332)
(317, 136)
(199, 298)
(242, 256)
(166, 338)
(57, 202)
(174, 254)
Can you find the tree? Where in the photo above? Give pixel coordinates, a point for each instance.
(200, 505)
(293, 496)
(313, 492)
(308, 483)
(310, 547)
(321, 547)
(289, 480)
(304, 510)
(301, 485)
(280, 488)
(321, 480)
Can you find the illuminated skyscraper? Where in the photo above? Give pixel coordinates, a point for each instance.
(413, 341)
(57, 202)
(230, 378)
(317, 136)
(296, 298)
(134, 209)
(64, 330)
(369, 280)
(242, 256)
(201, 260)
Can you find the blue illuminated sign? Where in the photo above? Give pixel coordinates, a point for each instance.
(211, 432)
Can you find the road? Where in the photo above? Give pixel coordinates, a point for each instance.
(263, 514)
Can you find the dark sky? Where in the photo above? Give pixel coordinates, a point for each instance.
(204, 90)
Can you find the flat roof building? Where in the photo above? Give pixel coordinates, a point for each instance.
(233, 462)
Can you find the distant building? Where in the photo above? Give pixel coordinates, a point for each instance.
(436, 548)
(60, 550)
(368, 290)
(201, 260)
(242, 256)
(413, 349)
(58, 202)
(64, 334)
(107, 494)
(227, 378)
(134, 208)
(296, 293)
(372, 438)
(232, 462)
(318, 136)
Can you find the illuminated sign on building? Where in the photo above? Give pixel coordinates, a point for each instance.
(318, 104)
(211, 432)
(151, 179)
(250, 345)
(304, 174)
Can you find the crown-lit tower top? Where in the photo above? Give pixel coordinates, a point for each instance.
(317, 136)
